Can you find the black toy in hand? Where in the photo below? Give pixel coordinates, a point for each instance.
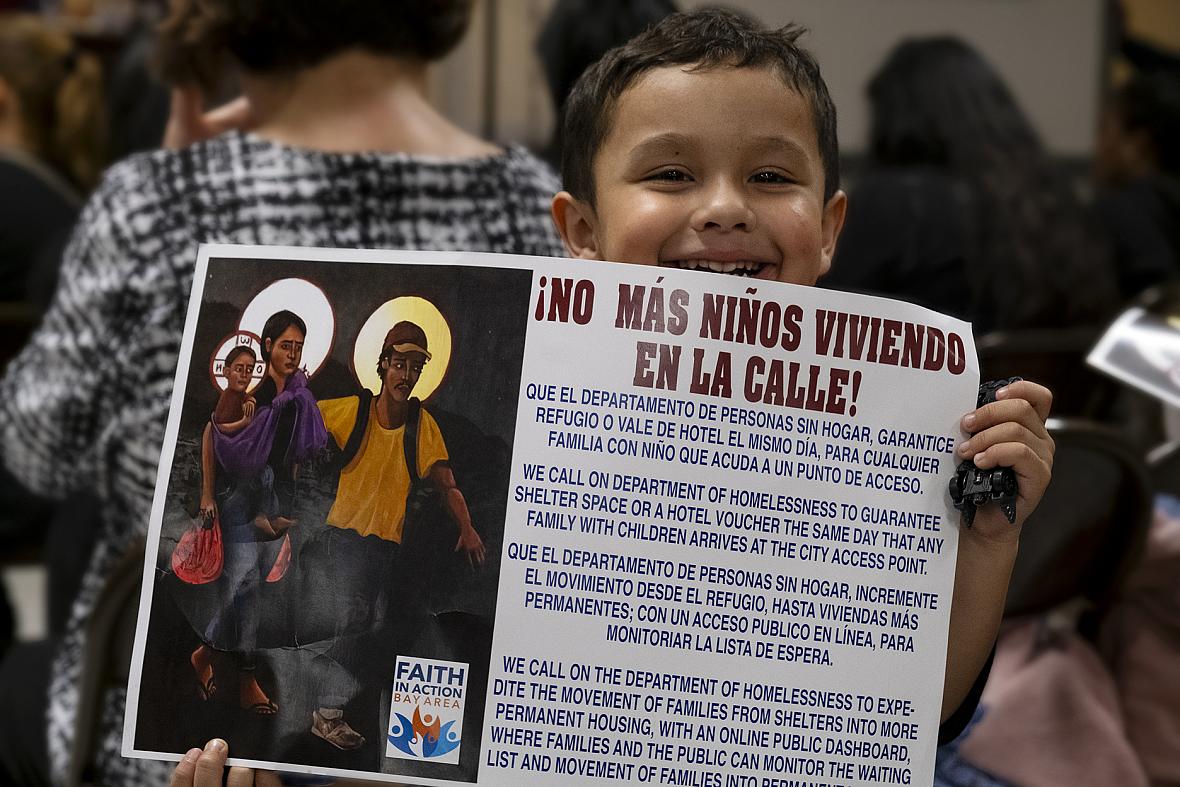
(972, 487)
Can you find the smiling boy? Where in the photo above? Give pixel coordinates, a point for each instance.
(708, 143)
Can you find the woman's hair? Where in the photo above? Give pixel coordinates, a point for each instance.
(1034, 259)
(577, 33)
(59, 90)
(1150, 103)
(284, 36)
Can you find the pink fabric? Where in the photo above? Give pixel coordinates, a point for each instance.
(1051, 715)
(1141, 641)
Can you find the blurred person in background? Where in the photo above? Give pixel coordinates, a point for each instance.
(577, 33)
(51, 124)
(1137, 170)
(344, 151)
(961, 208)
(51, 148)
(137, 99)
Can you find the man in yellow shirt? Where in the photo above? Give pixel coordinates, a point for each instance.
(367, 519)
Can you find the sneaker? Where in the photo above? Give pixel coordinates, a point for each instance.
(330, 725)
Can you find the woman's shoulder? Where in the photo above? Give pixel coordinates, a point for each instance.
(512, 170)
(136, 193)
(530, 170)
(143, 170)
(218, 160)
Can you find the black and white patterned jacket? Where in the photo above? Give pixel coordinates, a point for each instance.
(84, 405)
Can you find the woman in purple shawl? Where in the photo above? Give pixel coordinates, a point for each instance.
(250, 454)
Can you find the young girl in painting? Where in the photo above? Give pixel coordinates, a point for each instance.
(250, 453)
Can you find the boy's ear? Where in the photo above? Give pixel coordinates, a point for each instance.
(830, 226)
(577, 224)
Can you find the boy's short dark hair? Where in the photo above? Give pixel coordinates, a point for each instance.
(702, 39)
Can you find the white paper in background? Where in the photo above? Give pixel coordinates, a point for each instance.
(1142, 349)
(728, 550)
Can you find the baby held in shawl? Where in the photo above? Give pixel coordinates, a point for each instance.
(251, 451)
(264, 442)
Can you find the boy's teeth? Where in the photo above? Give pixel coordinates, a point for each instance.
(739, 268)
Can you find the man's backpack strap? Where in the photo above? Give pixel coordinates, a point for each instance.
(410, 441)
(357, 435)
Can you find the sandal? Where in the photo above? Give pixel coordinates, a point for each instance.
(332, 727)
(208, 688)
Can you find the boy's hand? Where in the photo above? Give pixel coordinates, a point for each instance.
(204, 769)
(1010, 432)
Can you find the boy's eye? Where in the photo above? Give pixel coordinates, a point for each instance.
(670, 175)
(769, 176)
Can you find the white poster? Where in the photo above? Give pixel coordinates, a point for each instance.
(657, 527)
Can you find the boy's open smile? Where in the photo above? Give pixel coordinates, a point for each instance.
(713, 170)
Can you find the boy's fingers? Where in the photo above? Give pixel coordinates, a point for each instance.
(267, 779)
(1031, 469)
(1020, 411)
(1007, 432)
(1040, 397)
(185, 769)
(210, 764)
(240, 777)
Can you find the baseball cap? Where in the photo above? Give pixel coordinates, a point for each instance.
(406, 337)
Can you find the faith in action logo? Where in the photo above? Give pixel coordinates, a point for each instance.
(426, 711)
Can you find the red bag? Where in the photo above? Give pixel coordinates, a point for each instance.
(197, 557)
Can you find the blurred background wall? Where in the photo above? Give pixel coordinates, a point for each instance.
(1051, 52)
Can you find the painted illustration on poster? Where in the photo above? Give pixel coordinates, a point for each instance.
(331, 442)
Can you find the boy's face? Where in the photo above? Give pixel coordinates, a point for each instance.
(709, 170)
